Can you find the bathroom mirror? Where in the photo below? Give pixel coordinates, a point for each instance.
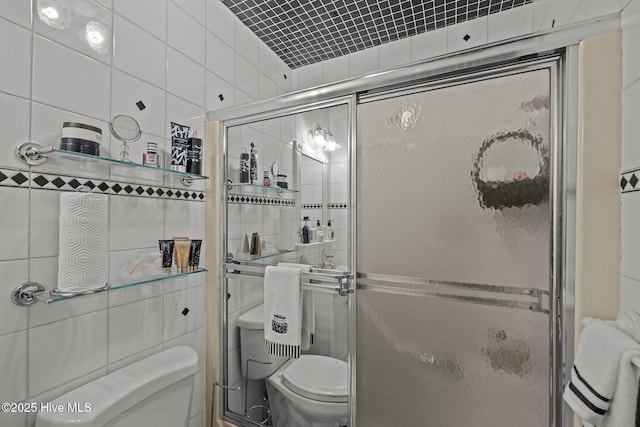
(259, 207)
(125, 129)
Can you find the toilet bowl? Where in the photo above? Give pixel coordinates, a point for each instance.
(310, 391)
(153, 392)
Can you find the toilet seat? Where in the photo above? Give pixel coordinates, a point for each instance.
(319, 378)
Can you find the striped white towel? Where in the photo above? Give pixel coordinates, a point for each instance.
(595, 370)
(308, 308)
(282, 311)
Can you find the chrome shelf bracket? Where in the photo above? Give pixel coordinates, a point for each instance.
(27, 293)
(32, 154)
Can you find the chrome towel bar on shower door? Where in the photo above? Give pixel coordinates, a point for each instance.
(316, 280)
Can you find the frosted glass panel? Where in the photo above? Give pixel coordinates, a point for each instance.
(419, 207)
(453, 197)
(426, 362)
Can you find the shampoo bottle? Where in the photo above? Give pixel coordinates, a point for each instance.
(319, 232)
(305, 231)
(244, 166)
(312, 233)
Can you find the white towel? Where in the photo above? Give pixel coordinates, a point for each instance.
(282, 311)
(308, 308)
(596, 370)
(622, 412)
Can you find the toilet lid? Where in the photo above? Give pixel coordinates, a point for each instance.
(319, 378)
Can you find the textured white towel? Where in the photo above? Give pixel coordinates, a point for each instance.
(596, 370)
(282, 311)
(622, 412)
(308, 308)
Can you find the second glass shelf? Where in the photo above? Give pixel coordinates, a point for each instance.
(269, 255)
(257, 187)
(128, 285)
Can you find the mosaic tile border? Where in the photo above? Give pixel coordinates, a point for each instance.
(630, 181)
(338, 205)
(312, 206)
(45, 181)
(258, 200)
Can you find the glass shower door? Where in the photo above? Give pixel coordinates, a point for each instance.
(454, 255)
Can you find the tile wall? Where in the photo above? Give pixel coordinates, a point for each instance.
(180, 58)
(539, 15)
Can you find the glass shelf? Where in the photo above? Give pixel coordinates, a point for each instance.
(324, 242)
(74, 156)
(244, 259)
(257, 187)
(129, 285)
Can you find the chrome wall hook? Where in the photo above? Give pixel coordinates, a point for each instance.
(27, 294)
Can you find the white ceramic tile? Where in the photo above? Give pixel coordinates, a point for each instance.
(127, 91)
(246, 77)
(15, 43)
(266, 87)
(630, 131)
(252, 292)
(47, 130)
(17, 11)
(216, 87)
(86, 27)
(476, 30)
(122, 363)
(395, 53)
(336, 69)
(44, 223)
(233, 330)
(629, 294)
(176, 323)
(81, 86)
(311, 75)
(45, 272)
(194, 339)
(12, 317)
(220, 58)
(630, 235)
(267, 61)
(540, 9)
(13, 363)
(150, 15)
(135, 222)
(221, 21)
(247, 44)
(117, 259)
(234, 295)
(560, 13)
(185, 113)
(185, 34)
(134, 327)
(138, 52)
(243, 98)
(510, 23)
(184, 219)
(13, 227)
(108, 3)
(14, 123)
(198, 393)
(630, 55)
(630, 5)
(364, 61)
(284, 76)
(65, 350)
(580, 13)
(195, 8)
(185, 282)
(196, 421)
(598, 8)
(185, 78)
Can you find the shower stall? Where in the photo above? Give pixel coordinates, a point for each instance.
(457, 249)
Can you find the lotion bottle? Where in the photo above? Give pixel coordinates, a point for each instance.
(305, 231)
(329, 234)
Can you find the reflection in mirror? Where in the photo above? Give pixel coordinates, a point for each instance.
(273, 216)
(126, 129)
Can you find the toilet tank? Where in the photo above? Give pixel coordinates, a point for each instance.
(153, 392)
(251, 326)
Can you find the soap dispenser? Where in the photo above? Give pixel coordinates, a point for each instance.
(319, 232)
(312, 233)
(305, 230)
(329, 235)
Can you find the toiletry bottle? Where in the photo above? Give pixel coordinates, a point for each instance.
(329, 234)
(319, 232)
(253, 169)
(244, 166)
(151, 157)
(312, 233)
(305, 230)
(267, 180)
(194, 154)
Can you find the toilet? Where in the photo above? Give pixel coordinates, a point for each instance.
(153, 392)
(311, 391)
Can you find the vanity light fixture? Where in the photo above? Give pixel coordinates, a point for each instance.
(322, 138)
(55, 13)
(96, 36)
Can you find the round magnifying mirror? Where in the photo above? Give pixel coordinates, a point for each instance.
(275, 169)
(125, 129)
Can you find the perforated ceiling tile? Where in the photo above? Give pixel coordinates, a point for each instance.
(303, 32)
